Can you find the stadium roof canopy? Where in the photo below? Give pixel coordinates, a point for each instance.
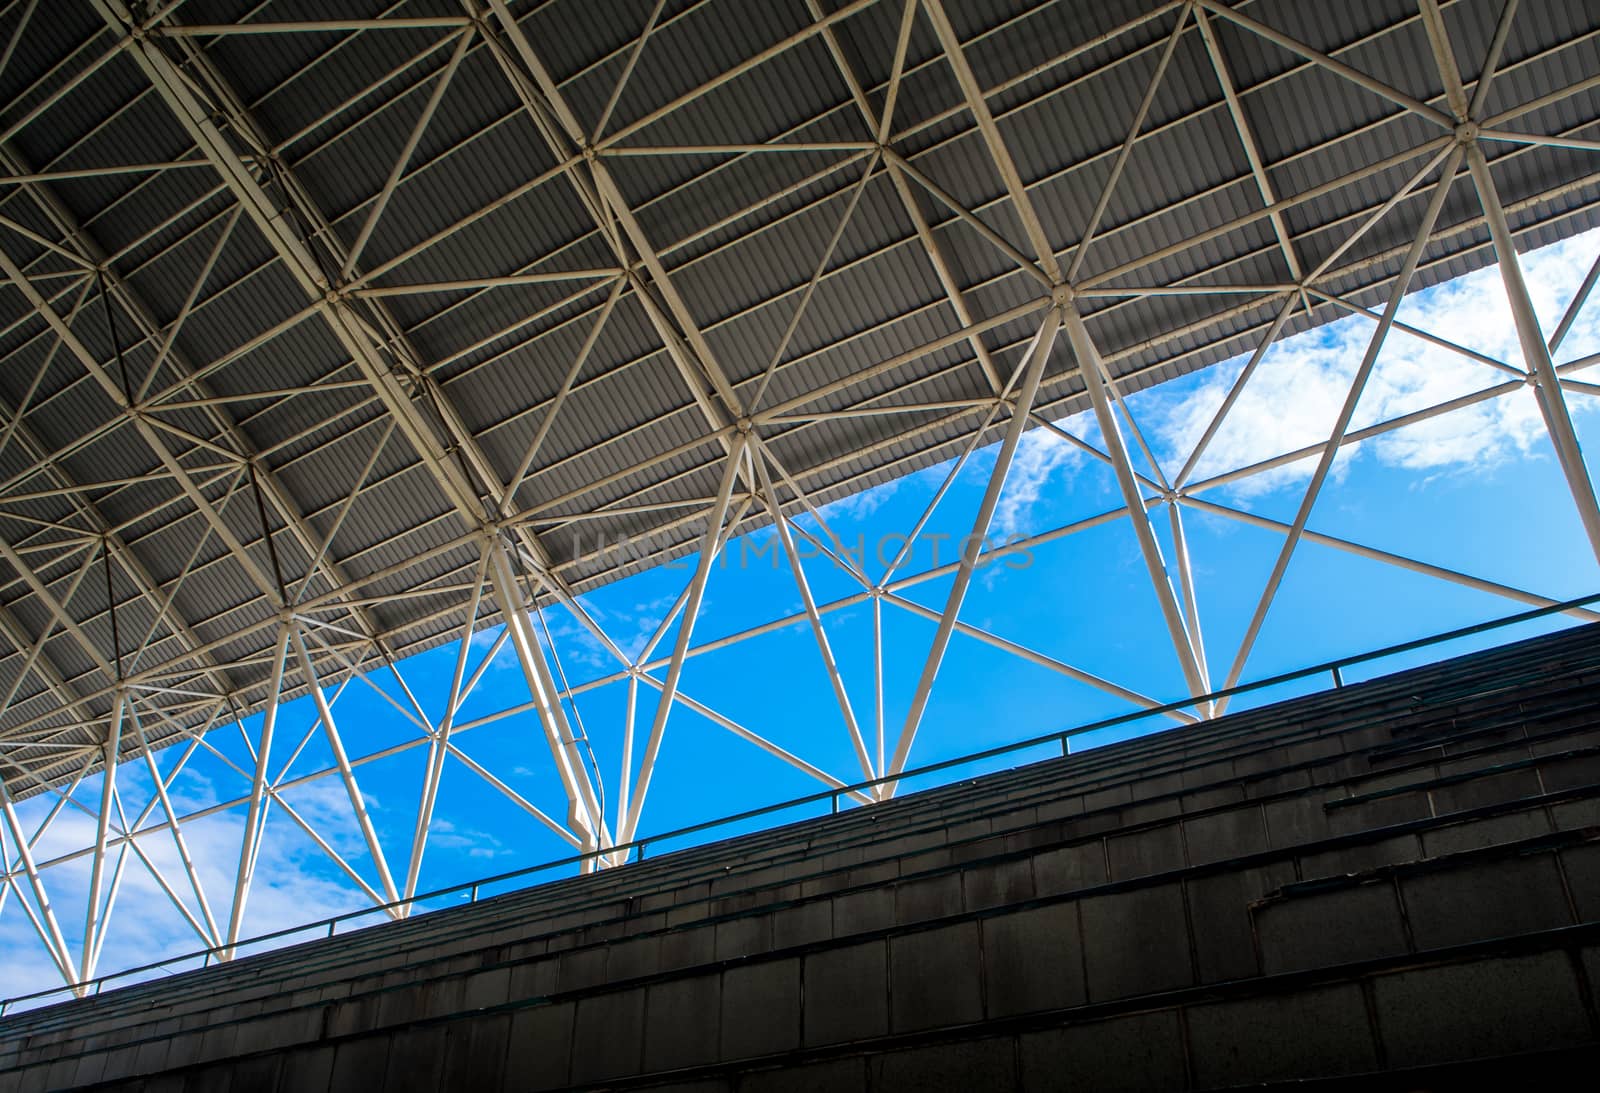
(300, 310)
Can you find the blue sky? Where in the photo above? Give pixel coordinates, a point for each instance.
(1477, 491)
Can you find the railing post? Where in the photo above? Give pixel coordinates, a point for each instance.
(833, 800)
(1338, 679)
(474, 898)
(641, 850)
(331, 925)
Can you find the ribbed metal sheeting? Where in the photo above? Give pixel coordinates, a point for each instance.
(740, 234)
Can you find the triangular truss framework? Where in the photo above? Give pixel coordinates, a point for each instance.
(124, 641)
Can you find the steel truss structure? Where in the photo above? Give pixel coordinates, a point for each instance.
(326, 332)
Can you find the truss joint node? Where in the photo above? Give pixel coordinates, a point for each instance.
(1466, 133)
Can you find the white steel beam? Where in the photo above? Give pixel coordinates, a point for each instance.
(1358, 384)
(584, 814)
(434, 769)
(1031, 369)
(1536, 353)
(330, 728)
(1095, 383)
(93, 923)
(254, 819)
(710, 544)
(55, 943)
(841, 693)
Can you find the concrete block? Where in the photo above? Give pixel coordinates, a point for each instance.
(1136, 942)
(1219, 910)
(935, 978)
(260, 1075)
(834, 1075)
(999, 884)
(1571, 815)
(486, 988)
(924, 898)
(1360, 857)
(608, 1036)
(149, 1057)
(1484, 899)
(761, 1008)
(681, 1022)
(416, 1060)
(540, 1046)
(1311, 751)
(1147, 812)
(860, 912)
(1309, 1034)
(1475, 834)
(117, 1064)
(1069, 869)
(1132, 1054)
(802, 924)
(846, 993)
(92, 1067)
(687, 948)
(59, 1074)
(1296, 821)
(1032, 838)
(1581, 864)
(1108, 798)
(215, 1079)
(936, 858)
(1380, 812)
(475, 1052)
(1196, 800)
(1319, 929)
(631, 958)
(742, 936)
(1481, 1009)
(1492, 789)
(359, 1063)
(1061, 808)
(1571, 772)
(685, 914)
(989, 1064)
(535, 979)
(1287, 781)
(443, 995)
(1033, 960)
(1142, 853)
(398, 1005)
(1220, 836)
(216, 1043)
(969, 830)
(1208, 774)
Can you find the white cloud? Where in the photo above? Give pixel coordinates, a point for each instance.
(1295, 395)
(859, 506)
(1040, 455)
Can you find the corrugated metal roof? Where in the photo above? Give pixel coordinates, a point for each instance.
(738, 233)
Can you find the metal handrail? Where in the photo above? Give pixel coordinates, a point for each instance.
(1062, 738)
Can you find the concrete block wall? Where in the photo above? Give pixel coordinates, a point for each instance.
(1197, 897)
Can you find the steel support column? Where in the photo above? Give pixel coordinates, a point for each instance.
(1536, 352)
(584, 814)
(1095, 383)
(253, 819)
(108, 787)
